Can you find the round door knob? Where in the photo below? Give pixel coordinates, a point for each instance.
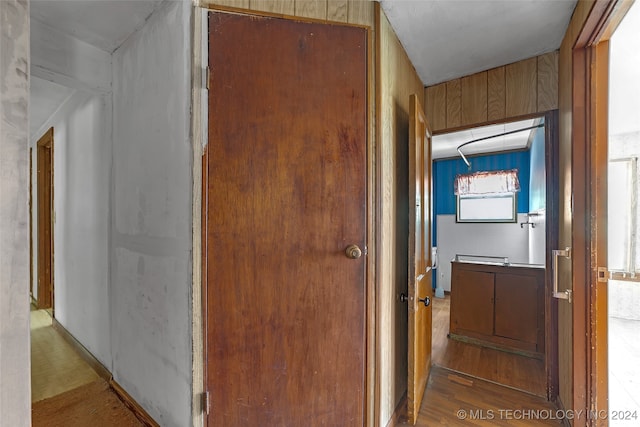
(353, 252)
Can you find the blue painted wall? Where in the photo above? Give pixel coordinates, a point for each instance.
(445, 172)
(537, 179)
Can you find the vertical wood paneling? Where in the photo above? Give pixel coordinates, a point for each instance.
(548, 81)
(396, 80)
(240, 4)
(316, 9)
(474, 98)
(496, 97)
(285, 7)
(520, 87)
(360, 12)
(435, 99)
(454, 106)
(337, 10)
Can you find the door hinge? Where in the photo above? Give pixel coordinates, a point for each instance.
(603, 274)
(208, 77)
(206, 402)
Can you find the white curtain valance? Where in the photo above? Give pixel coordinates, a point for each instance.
(504, 181)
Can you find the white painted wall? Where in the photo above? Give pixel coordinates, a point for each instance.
(537, 238)
(82, 167)
(15, 384)
(151, 223)
(495, 239)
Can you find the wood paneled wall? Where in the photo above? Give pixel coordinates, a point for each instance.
(565, 106)
(515, 90)
(348, 11)
(396, 81)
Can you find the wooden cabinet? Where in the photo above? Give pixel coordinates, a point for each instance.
(498, 306)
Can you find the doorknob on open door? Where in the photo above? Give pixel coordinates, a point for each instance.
(426, 301)
(353, 252)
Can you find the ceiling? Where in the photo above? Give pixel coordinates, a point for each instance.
(102, 23)
(446, 145)
(445, 39)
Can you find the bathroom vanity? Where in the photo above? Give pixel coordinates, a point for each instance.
(497, 304)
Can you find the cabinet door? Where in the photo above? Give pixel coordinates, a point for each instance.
(517, 307)
(472, 302)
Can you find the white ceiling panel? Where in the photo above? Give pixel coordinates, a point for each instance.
(446, 145)
(447, 39)
(102, 23)
(44, 99)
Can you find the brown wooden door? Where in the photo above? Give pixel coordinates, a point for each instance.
(45, 224)
(286, 195)
(420, 292)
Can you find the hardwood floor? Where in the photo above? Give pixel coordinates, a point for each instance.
(453, 399)
(512, 370)
(55, 365)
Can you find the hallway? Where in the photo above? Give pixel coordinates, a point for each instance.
(65, 390)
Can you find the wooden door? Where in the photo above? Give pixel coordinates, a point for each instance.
(286, 200)
(420, 292)
(45, 225)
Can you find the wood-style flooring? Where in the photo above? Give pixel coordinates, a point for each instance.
(65, 390)
(508, 369)
(453, 399)
(55, 366)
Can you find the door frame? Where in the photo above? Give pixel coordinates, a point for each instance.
(589, 241)
(199, 127)
(44, 153)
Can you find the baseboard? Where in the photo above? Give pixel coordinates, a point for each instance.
(130, 403)
(104, 373)
(82, 351)
(399, 413)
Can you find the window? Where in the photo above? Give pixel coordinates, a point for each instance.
(623, 239)
(487, 196)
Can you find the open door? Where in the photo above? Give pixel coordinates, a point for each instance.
(45, 223)
(420, 292)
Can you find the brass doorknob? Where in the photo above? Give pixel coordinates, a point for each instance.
(353, 252)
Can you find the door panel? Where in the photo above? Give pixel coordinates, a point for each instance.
(419, 353)
(472, 302)
(286, 196)
(45, 224)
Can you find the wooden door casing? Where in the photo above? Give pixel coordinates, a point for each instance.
(286, 172)
(419, 255)
(44, 166)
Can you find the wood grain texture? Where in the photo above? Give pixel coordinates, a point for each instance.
(337, 10)
(396, 80)
(447, 393)
(520, 88)
(45, 182)
(360, 12)
(316, 9)
(280, 288)
(419, 245)
(474, 98)
(454, 104)
(510, 369)
(435, 99)
(548, 81)
(283, 7)
(496, 94)
(240, 4)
